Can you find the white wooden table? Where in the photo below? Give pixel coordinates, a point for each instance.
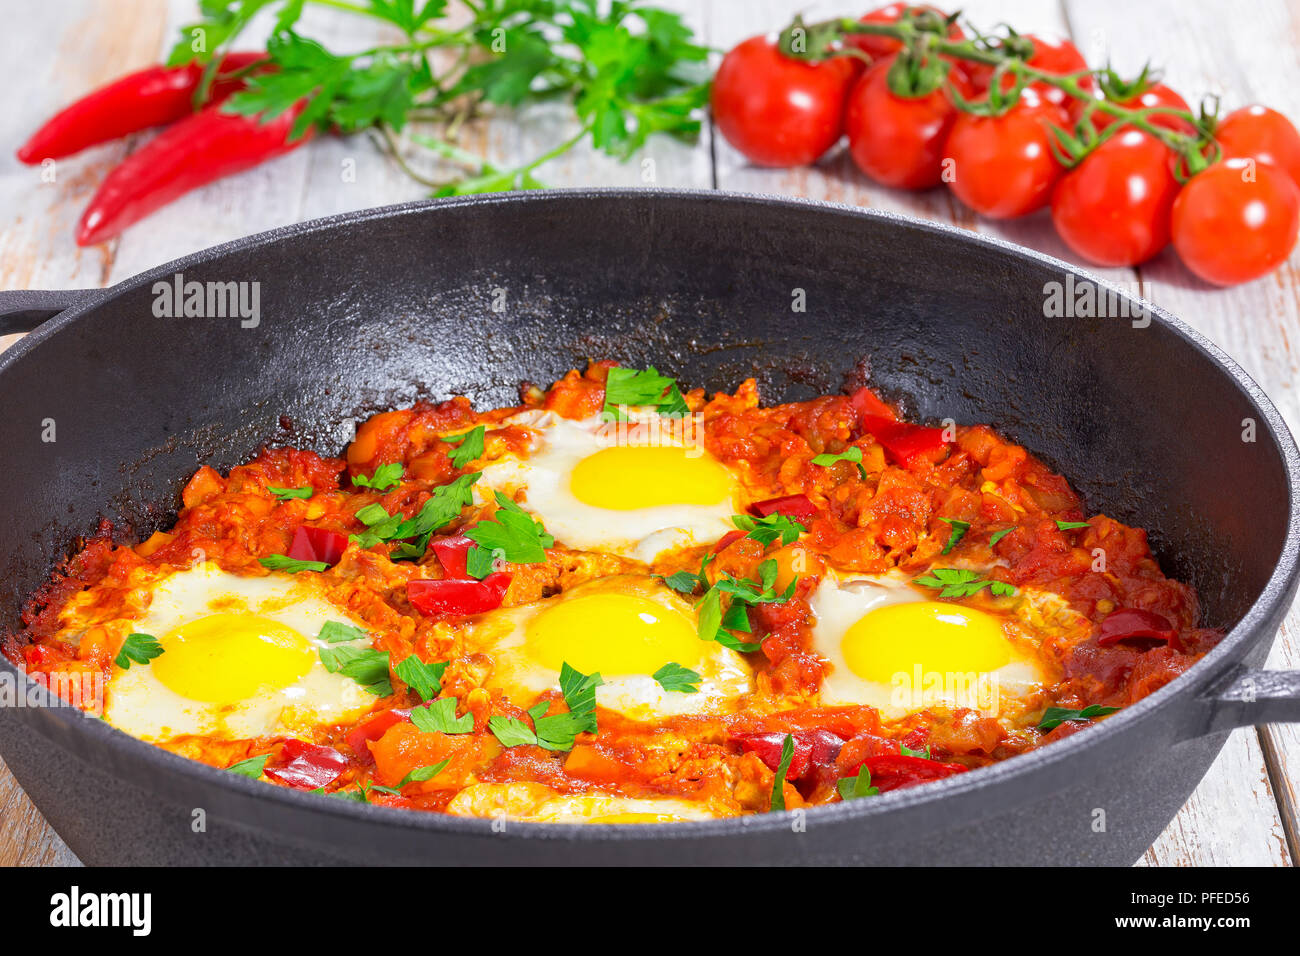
(51, 51)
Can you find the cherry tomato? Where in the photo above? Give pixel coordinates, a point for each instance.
(1257, 132)
(1156, 95)
(898, 140)
(779, 111)
(1051, 55)
(1236, 221)
(1003, 166)
(1113, 208)
(880, 47)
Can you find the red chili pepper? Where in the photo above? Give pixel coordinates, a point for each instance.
(307, 766)
(317, 544)
(901, 441)
(1135, 624)
(450, 596)
(792, 506)
(153, 96)
(199, 149)
(812, 748)
(453, 554)
(865, 402)
(372, 728)
(896, 771)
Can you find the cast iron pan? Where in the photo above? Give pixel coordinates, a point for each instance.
(376, 309)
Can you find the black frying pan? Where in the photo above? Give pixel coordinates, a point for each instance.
(375, 309)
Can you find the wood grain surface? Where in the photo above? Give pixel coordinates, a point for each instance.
(1244, 811)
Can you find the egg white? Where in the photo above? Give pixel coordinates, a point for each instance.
(545, 471)
(533, 802)
(137, 702)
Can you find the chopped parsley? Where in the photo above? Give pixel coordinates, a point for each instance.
(424, 679)
(1071, 525)
(778, 782)
(853, 453)
(250, 766)
(385, 476)
(443, 506)
(140, 648)
(676, 679)
(554, 731)
(626, 387)
(418, 775)
(286, 494)
(999, 535)
(1053, 717)
(853, 788)
(367, 666)
(959, 529)
(767, 529)
(907, 751)
(282, 562)
(336, 632)
(688, 582)
(716, 624)
(512, 534)
(467, 447)
(962, 582)
(439, 716)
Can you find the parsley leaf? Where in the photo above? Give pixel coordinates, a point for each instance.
(424, 679)
(999, 535)
(625, 388)
(959, 529)
(385, 476)
(853, 453)
(366, 666)
(282, 562)
(1071, 525)
(767, 529)
(140, 648)
(1053, 717)
(907, 751)
(579, 692)
(554, 731)
(674, 678)
(853, 788)
(687, 582)
(962, 582)
(512, 534)
(286, 494)
(778, 782)
(439, 716)
(511, 731)
(468, 446)
(336, 632)
(250, 767)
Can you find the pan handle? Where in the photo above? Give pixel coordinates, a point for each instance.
(23, 309)
(1246, 697)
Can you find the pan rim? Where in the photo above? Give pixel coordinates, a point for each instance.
(1248, 630)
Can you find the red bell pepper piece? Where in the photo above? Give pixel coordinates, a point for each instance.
(372, 728)
(903, 442)
(812, 748)
(317, 544)
(865, 402)
(726, 540)
(453, 554)
(1135, 624)
(153, 96)
(897, 772)
(450, 596)
(307, 766)
(199, 149)
(798, 507)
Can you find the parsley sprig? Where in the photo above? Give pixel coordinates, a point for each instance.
(553, 731)
(767, 529)
(962, 582)
(628, 69)
(630, 388)
(1053, 717)
(512, 534)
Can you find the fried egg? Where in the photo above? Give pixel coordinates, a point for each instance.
(893, 649)
(626, 628)
(537, 803)
(635, 489)
(241, 658)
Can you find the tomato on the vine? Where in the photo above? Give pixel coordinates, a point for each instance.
(896, 139)
(1156, 95)
(1051, 55)
(1114, 207)
(880, 47)
(777, 110)
(1003, 166)
(1236, 221)
(1263, 134)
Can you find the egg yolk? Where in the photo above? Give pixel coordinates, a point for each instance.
(615, 634)
(225, 658)
(627, 477)
(940, 638)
